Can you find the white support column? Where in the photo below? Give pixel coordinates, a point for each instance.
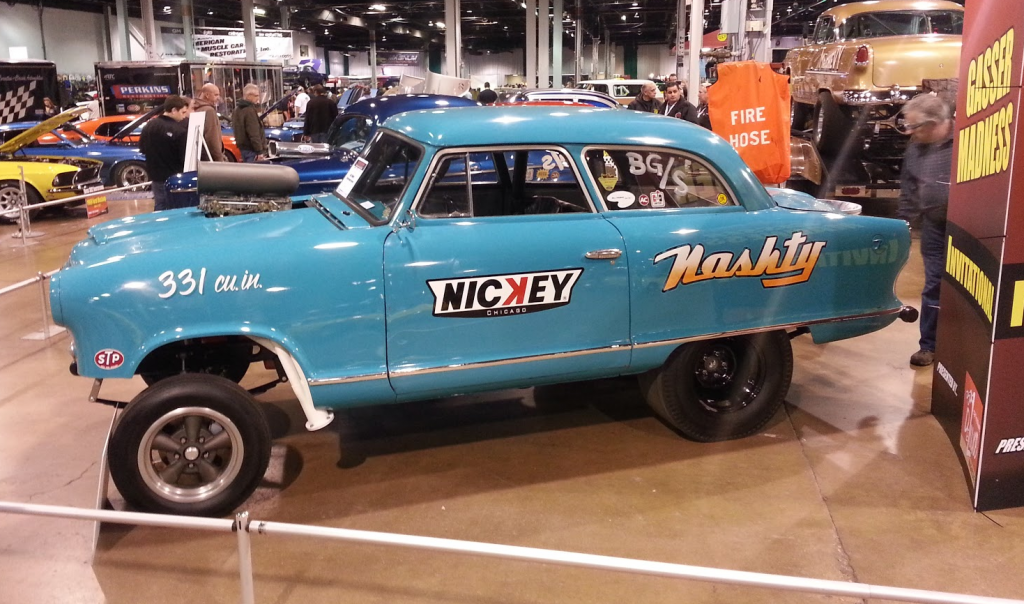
(595, 57)
(693, 74)
(579, 42)
(453, 38)
(531, 43)
(149, 29)
(680, 63)
(123, 37)
(556, 44)
(373, 58)
(186, 22)
(249, 27)
(608, 67)
(286, 17)
(543, 44)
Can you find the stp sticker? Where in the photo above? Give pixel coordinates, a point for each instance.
(503, 295)
(108, 358)
(645, 200)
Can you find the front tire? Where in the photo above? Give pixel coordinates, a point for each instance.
(130, 173)
(10, 192)
(722, 389)
(191, 444)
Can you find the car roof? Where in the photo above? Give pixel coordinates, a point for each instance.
(844, 11)
(526, 124)
(615, 81)
(570, 94)
(383, 107)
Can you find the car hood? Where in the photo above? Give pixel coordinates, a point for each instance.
(70, 161)
(907, 60)
(190, 228)
(30, 135)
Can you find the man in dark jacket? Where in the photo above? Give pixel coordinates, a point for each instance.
(924, 196)
(206, 101)
(676, 106)
(647, 99)
(320, 114)
(163, 142)
(249, 135)
(702, 107)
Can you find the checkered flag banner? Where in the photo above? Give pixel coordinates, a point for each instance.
(16, 103)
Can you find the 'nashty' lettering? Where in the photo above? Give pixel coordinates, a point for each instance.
(795, 262)
(503, 295)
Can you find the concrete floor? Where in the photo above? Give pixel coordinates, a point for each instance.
(853, 481)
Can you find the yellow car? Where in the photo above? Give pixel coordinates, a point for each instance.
(867, 59)
(46, 178)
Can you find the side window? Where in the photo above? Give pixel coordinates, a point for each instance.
(503, 183)
(631, 179)
(351, 133)
(824, 32)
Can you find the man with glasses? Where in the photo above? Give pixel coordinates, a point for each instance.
(924, 195)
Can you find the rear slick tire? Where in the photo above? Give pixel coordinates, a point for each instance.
(722, 389)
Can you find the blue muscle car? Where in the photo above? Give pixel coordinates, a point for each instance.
(123, 164)
(640, 246)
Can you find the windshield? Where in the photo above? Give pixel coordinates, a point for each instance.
(377, 179)
(351, 133)
(903, 23)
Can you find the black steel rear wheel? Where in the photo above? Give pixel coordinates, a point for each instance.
(722, 389)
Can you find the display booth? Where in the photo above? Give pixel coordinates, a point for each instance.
(138, 86)
(981, 322)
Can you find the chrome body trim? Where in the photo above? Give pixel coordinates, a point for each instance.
(348, 380)
(577, 353)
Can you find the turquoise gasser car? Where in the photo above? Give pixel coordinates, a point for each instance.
(638, 245)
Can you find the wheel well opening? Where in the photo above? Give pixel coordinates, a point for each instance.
(229, 356)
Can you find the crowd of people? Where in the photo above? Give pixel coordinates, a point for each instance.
(675, 103)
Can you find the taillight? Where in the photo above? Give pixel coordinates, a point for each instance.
(862, 57)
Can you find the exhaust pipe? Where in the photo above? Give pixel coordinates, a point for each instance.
(908, 314)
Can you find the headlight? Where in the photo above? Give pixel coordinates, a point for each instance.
(64, 179)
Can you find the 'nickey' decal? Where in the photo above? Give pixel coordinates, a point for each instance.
(503, 295)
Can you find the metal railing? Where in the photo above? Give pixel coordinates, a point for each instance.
(44, 296)
(23, 209)
(243, 527)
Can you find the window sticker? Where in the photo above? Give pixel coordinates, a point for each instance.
(353, 175)
(622, 199)
(722, 199)
(645, 200)
(657, 199)
(609, 175)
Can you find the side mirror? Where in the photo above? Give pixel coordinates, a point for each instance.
(408, 221)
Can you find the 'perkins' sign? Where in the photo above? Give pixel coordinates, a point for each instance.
(140, 92)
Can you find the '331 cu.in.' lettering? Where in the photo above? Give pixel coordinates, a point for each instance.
(187, 282)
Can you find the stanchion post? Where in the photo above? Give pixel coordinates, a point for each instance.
(22, 212)
(46, 309)
(244, 557)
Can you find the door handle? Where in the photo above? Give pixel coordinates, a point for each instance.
(611, 254)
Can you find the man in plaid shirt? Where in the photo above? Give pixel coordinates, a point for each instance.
(924, 196)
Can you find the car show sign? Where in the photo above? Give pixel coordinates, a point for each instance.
(749, 107)
(980, 341)
(406, 58)
(228, 43)
(96, 203)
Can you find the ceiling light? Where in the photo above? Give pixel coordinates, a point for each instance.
(623, 17)
(209, 12)
(636, 15)
(167, 9)
(377, 7)
(439, 25)
(522, 4)
(259, 12)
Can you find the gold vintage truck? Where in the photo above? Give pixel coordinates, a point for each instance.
(864, 61)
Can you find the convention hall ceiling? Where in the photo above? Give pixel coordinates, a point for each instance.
(487, 25)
